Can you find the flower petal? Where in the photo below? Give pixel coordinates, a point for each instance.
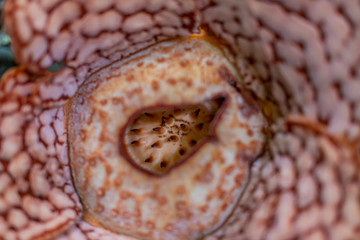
(305, 52)
(309, 189)
(84, 231)
(37, 199)
(92, 32)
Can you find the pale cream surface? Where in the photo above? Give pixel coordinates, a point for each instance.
(195, 197)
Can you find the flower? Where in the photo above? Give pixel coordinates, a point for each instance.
(297, 59)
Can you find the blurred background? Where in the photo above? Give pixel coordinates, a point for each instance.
(6, 57)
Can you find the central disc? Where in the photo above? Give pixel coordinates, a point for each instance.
(159, 138)
(160, 143)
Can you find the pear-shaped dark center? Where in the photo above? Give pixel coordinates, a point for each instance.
(159, 138)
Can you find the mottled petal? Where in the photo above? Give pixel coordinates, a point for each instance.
(311, 190)
(84, 231)
(54, 90)
(37, 199)
(78, 32)
(306, 51)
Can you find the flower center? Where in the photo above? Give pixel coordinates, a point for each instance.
(177, 104)
(158, 139)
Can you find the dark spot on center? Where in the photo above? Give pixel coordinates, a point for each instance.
(163, 164)
(158, 138)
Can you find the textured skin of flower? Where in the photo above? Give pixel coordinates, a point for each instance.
(299, 58)
(195, 196)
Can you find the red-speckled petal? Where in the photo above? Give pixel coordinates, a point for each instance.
(54, 90)
(303, 55)
(37, 198)
(92, 32)
(85, 231)
(306, 188)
